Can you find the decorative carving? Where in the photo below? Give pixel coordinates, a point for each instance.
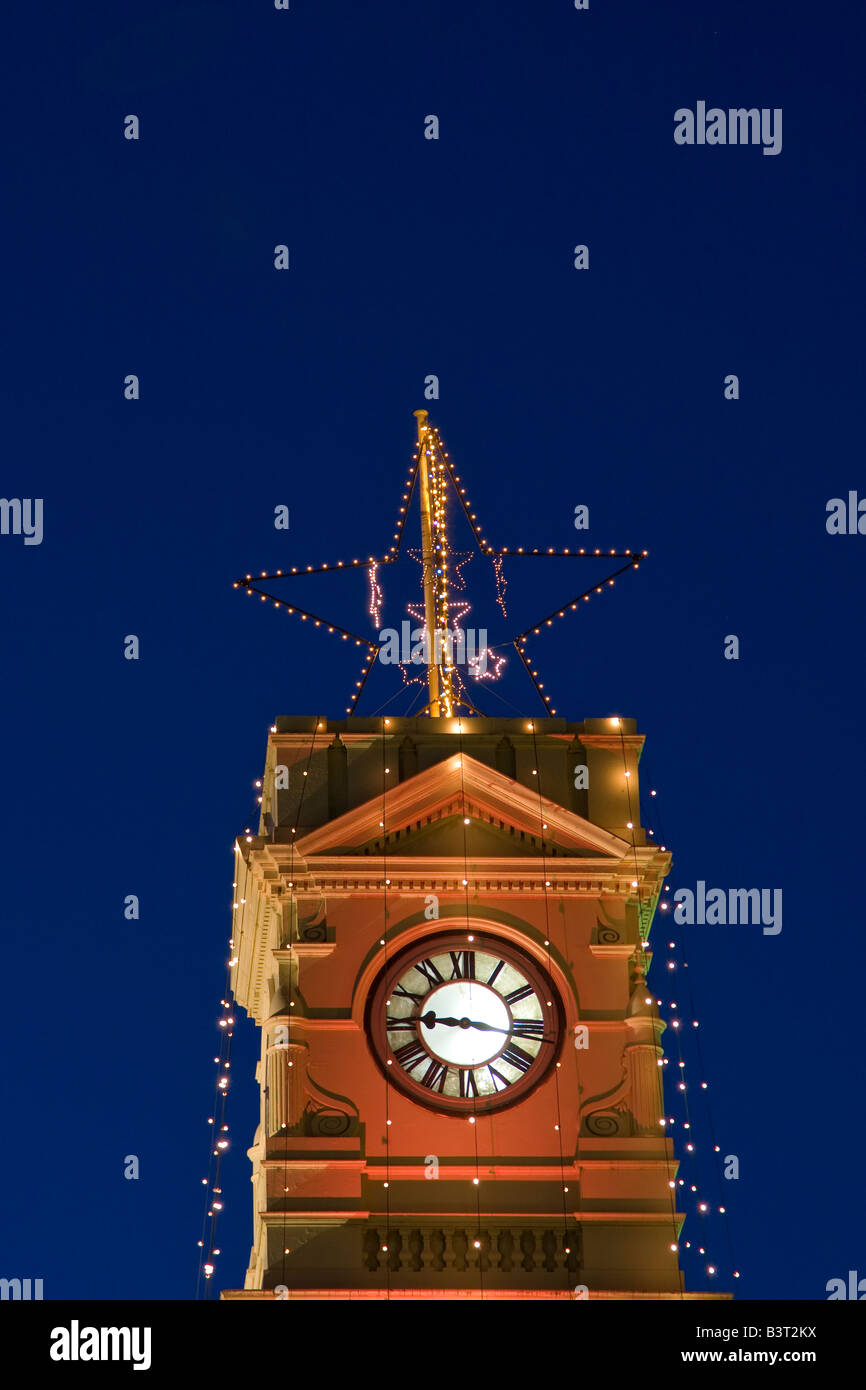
(329, 1122)
(327, 1113)
(418, 1250)
(460, 1245)
(572, 1248)
(609, 1099)
(482, 1255)
(606, 935)
(505, 1246)
(608, 1124)
(395, 1250)
(437, 1247)
(313, 926)
(319, 932)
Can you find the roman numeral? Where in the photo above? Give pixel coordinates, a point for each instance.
(528, 1028)
(497, 1076)
(463, 965)
(516, 1057)
(411, 1054)
(435, 1076)
(499, 967)
(429, 971)
(517, 994)
(400, 1025)
(468, 1084)
(407, 994)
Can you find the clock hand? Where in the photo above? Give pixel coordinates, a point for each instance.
(491, 1028)
(430, 1020)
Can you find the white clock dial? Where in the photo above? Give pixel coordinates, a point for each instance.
(464, 1023)
(468, 1023)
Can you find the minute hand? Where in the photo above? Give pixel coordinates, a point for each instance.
(430, 1020)
(512, 1031)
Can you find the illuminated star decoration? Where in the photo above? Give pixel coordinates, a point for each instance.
(441, 472)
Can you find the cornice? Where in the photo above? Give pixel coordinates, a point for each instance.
(278, 867)
(613, 741)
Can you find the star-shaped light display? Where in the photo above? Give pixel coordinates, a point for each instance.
(430, 475)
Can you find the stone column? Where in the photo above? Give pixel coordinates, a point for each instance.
(643, 1053)
(286, 1075)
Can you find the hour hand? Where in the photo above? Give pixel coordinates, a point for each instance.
(430, 1020)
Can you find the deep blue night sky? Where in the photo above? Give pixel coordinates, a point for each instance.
(557, 387)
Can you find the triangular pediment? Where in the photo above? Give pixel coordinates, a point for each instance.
(424, 815)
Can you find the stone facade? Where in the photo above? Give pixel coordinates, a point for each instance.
(366, 824)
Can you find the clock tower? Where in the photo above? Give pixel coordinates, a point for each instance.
(444, 944)
(441, 929)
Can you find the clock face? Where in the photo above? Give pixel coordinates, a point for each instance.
(464, 1023)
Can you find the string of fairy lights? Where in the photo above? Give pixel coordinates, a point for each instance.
(214, 1205)
(641, 966)
(701, 1207)
(218, 1129)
